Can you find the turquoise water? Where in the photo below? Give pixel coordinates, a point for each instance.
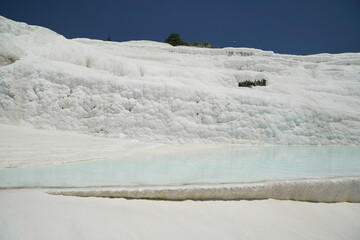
(225, 165)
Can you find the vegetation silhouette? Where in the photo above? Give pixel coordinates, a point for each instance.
(175, 40)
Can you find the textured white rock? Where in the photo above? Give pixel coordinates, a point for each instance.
(155, 92)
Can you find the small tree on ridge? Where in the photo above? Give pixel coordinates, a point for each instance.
(174, 39)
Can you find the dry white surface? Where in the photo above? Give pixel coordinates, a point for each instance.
(33, 214)
(22, 146)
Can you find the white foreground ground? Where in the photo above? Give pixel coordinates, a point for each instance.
(33, 214)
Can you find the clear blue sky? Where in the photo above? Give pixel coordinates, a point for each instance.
(284, 26)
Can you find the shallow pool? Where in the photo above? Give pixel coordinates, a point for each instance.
(222, 165)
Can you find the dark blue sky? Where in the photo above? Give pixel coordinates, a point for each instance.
(284, 26)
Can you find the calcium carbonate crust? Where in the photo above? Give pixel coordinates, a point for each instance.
(343, 189)
(158, 93)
